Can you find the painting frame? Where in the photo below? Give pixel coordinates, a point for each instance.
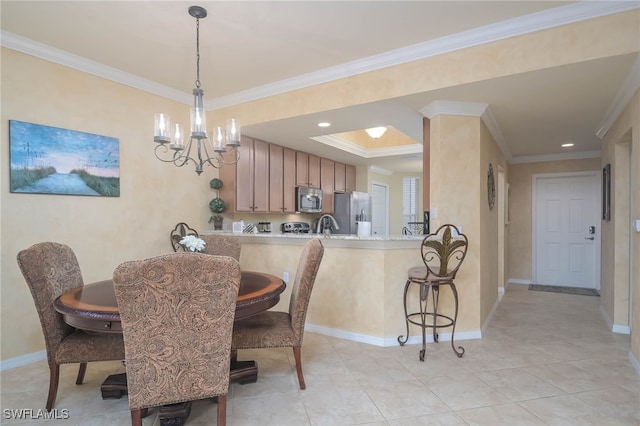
(606, 192)
(55, 161)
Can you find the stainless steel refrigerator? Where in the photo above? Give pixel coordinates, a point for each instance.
(349, 208)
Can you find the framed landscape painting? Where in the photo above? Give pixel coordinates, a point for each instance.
(50, 160)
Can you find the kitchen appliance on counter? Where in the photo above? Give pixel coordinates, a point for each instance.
(264, 227)
(295, 227)
(308, 200)
(349, 208)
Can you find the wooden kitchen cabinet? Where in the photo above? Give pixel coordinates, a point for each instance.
(252, 177)
(339, 182)
(350, 178)
(289, 181)
(266, 176)
(276, 178)
(307, 170)
(327, 172)
(302, 168)
(314, 171)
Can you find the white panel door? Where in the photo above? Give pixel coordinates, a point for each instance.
(567, 231)
(379, 209)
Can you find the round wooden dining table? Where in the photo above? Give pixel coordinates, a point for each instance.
(94, 308)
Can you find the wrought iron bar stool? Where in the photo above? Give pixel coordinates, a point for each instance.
(442, 254)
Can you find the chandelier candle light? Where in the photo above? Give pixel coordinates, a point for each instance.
(170, 146)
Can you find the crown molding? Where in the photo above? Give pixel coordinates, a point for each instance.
(381, 171)
(470, 109)
(46, 52)
(353, 148)
(629, 87)
(551, 18)
(473, 109)
(555, 157)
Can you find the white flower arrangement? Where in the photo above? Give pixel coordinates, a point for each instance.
(193, 243)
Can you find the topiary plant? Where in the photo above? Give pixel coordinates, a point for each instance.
(216, 205)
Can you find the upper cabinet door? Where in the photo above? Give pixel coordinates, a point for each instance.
(314, 171)
(276, 178)
(326, 182)
(340, 182)
(289, 181)
(350, 178)
(244, 176)
(260, 176)
(302, 169)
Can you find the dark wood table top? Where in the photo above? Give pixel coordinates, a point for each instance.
(93, 307)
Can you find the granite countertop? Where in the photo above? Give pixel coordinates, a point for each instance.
(374, 242)
(351, 237)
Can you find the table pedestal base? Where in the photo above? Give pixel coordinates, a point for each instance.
(115, 386)
(244, 372)
(174, 414)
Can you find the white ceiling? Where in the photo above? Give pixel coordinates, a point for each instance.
(253, 49)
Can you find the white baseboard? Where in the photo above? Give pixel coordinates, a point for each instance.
(634, 362)
(615, 328)
(19, 361)
(389, 341)
(484, 327)
(519, 281)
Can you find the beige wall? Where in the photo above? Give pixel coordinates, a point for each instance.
(621, 148)
(461, 150)
(102, 231)
(519, 239)
(490, 221)
(358, 291)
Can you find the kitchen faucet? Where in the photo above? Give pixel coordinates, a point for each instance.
(321, 224)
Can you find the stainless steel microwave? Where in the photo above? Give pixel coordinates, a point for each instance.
(308, 200)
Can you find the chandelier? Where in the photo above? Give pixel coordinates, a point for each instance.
(170, 148)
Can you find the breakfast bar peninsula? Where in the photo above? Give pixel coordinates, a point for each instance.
(358, 290)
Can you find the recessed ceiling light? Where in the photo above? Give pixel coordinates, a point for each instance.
(324, 124)
(567, 145)
(376, 132)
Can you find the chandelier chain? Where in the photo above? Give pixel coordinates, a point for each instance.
(198, 53)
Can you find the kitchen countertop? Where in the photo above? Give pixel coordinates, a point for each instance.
(329, 240)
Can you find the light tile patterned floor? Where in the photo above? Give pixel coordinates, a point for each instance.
(546, 359)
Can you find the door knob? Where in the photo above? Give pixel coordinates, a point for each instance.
(589, 238)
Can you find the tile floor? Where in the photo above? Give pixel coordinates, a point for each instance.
(546, 359)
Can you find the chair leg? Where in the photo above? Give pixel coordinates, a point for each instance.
(297, 354)
(402, 341)
(455, 319)
(222, 410)
(435, 291)
(424, 311)
(81, 371)
(54, 377)
(136, 417)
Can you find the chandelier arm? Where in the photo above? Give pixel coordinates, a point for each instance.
(213, 160)
(230, 151)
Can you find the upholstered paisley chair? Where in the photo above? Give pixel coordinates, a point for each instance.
(177, 313)
(222, 245)
(442, 254)
(272, 329)
(51, 269)
(181, 230)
